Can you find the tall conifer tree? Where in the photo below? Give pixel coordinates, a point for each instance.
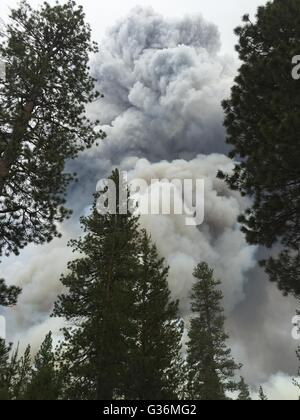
(156, 368)
(4, 371)
(15, 372)
(263, 126)
(42, 118)
(262, 396)
(244, 391)
(22, 370)
(45, 382)
(211, 368)
(100, 302)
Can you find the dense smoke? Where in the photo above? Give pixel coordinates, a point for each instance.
(163, 82)
(218, 241)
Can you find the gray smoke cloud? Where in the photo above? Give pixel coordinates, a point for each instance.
(218, 241)
(163, 81)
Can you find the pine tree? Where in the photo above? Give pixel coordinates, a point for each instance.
(19, 380)
(263, 125)
(156, 368)
(244, 394)
(100, 303)
(15, 372)
(211, 368)
(42, 118)
(46, 381)
(8, 295)
(21, 372)
(4, 371)
(262, 395)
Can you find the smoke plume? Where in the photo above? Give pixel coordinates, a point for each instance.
(163, 82)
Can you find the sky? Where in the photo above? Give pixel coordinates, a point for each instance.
(164, 72)
(226, 14)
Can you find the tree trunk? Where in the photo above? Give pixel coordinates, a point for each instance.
(11, 152)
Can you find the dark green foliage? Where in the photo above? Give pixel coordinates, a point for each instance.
(244, 391)
(285, 271)
(22, 376)
(211, 369)
(8, 295)
(20, 379)
(100, 305)
(156, 368)
(4, 371)
(124, 339)
(262, 395)
(263, 126)
(46, 381)
(15, 373)
(42, 118)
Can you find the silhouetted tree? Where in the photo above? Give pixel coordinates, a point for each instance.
(263, 126)
(262, 395)
(42, 118)
(100, 302)
(8, 295)
(156, 369)
(211, 368)
(244, 391)
(46, 380)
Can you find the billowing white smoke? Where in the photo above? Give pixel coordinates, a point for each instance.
(37, 272)
(280, 387)
(218, 241)
(163, 82)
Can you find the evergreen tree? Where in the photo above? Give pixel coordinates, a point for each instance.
(8, 295)
(15, 372)
(262, 395)
(244, 394)
(211, 368)
(19, 380)
(263, 125)
(45, 382)
(100, 303)
(42, 118)
(156, 368)
(4, 371)
(21, 372)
